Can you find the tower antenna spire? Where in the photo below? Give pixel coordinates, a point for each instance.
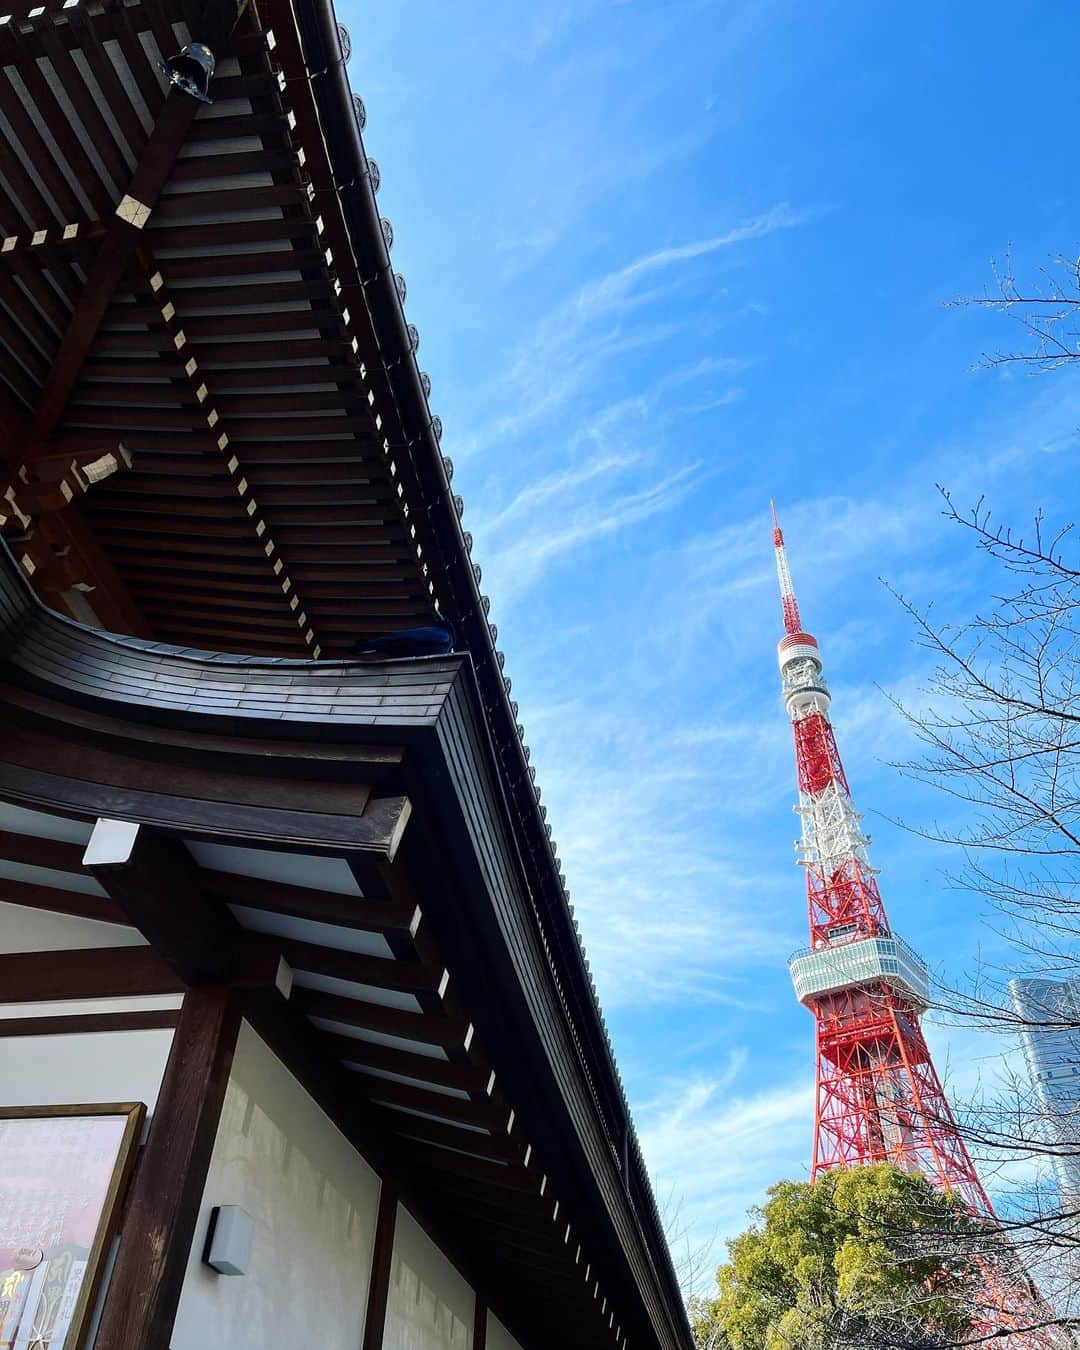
(792, 622)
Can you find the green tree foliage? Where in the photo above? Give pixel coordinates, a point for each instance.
(870, 1257)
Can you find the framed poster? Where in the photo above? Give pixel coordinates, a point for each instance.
(63, 1171)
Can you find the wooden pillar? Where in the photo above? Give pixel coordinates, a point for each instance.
(381, 1259)
(155, 1239)
(479, 1335)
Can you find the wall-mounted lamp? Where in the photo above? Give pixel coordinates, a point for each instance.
(229, 1239)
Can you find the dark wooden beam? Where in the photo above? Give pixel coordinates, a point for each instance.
(105, 142)
(76, 903)
(159, 1223)
(381, 1261)
(12, 417)
(96, 972)
(338, 761)
(68, 1023)
(200, 778)
(153, 879)
(110, 597)
(377, 830)
(479, 1337)
(392, 883)
(553, 1272)
(531, 1211)
(65, 556)
(524, 1228)
(546, 1249)
(155, 882)
(58, 854)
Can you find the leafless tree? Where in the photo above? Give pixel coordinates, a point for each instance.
(1000, 737)
(1047, 310)
(691, 1252)
(1001, 740)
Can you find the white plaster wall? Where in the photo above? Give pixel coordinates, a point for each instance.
(24, 821)
(25, 929)
(498, 1338)
(95, 1066)
(100, 1066)
(81, 1007)
(430, 1306)
(314, 1201)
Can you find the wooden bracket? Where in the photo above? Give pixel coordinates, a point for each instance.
(52, 544)
(154, 880)
(52, 481)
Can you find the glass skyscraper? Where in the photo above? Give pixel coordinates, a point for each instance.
(1050, 1034)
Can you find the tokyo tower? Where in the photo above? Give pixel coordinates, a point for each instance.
(878, 1096)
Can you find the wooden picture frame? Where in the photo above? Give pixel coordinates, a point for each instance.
(108, 1157)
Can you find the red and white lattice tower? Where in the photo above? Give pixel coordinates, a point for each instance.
(878, 1097)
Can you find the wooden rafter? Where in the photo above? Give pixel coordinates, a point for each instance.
(448, 1033)
(252, 522)
(394, 922)
(467, 1078)
(489, 1113)
(57, 854)
(423, 982)
(343, 555)
(121, 238)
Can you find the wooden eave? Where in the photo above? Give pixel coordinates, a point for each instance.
(258, 517)
(167, 283)
(425, 476)
(426, 1006)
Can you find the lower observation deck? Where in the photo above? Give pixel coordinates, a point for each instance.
(864, 961)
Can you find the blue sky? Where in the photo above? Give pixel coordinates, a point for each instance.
(669, 260)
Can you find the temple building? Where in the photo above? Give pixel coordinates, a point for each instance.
(298, 1041)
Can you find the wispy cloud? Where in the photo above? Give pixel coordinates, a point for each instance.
(629, 360)
(617, 482)
(524, 539)
(554, 486)
(716, 1148)
(586, 331)
(713, 1147)
(611, 291)
(673, 911)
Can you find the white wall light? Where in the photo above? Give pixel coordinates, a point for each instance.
(229, 1239)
